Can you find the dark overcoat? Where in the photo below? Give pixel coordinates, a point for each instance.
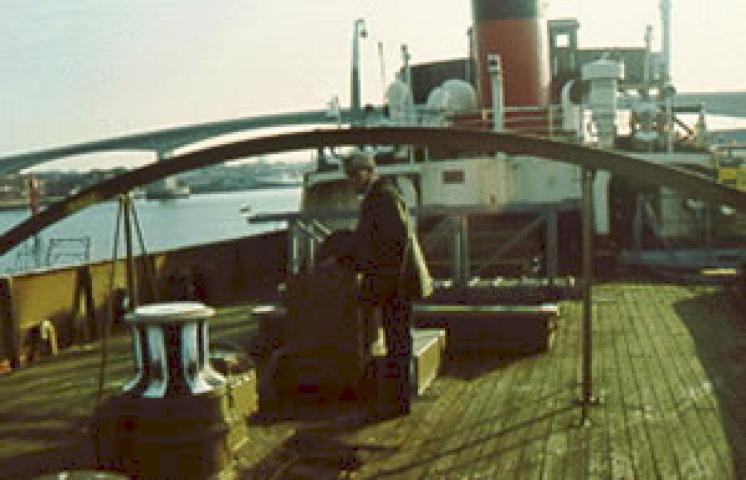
(388, 253)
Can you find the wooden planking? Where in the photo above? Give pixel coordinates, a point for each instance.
(424, 445)
(599, 464)
(695, 457)
(633, 408)
(668, 364)
(658, 404)
(564, 381)
(626, 441)
(655, 461)
(502, 439)
(409, 445)
(576, 439)
(473, 412)
(478, 418)
(701, 392)
(548, 433)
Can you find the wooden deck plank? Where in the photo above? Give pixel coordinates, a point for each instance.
(433, 417)
(697, 459)
(564, 380)
(531, 460)
(555, 411)
(478, 423)
(454, 435)
(634, 397)
(505, 439)
(577, 437)
(658, 405)
(599, 465)
(704, 415)
(620, 391)
(722, 357)
(668, 363)
(509, 445)
(427, 443)
(476, 432)
(662, 413)
(696, 398)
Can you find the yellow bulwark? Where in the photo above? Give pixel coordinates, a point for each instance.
(734, 177)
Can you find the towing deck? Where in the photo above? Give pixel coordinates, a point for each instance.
(668, 370)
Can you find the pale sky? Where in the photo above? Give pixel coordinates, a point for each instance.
(79, 70)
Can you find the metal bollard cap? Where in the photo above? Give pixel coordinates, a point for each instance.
(170, 312)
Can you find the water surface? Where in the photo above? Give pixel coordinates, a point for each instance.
(165, 225)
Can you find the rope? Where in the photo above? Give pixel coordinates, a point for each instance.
(143, 251)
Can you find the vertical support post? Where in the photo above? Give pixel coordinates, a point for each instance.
(125, 202)
(456, 254)
(358, 33)
(410, 117)
(669, 124)
(310, 247)
(406, 68)
(460, 252)
(665, 7)
(494, 66)
(638, 221)
(292, 260)
(464, 252)
(587, 247)
(647, 67)
(708, 223)
(552, 245)
(10, 324)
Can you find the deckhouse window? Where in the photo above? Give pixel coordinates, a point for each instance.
(453, 176)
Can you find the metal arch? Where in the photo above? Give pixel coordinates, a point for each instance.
(170, 139)
(643, 171)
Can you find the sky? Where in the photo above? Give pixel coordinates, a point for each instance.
(80, 70)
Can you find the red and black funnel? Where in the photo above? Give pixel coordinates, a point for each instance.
(514, 30)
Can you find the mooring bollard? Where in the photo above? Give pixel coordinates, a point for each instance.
(171, 349)
(175, 418)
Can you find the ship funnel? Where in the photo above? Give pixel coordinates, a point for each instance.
(514, 30)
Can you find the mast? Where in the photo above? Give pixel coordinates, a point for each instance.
(358, 33)
(666, 25)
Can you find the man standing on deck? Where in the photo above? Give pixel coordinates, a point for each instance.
(393, 268)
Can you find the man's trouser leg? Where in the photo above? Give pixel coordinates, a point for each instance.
(396, 315)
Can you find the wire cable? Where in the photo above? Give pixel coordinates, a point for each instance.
(106, 322)
(149, 272)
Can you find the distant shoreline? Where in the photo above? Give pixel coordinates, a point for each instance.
(15, 204)
(23, 203)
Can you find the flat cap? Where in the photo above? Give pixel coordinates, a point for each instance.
(359, 161)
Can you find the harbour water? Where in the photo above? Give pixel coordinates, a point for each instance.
(165, 225)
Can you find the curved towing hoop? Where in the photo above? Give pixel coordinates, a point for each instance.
(646, 172)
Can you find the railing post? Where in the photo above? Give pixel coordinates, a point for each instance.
(464, 234)
(638, 221)
(10, 324)
(708, 223)
(460, 252)
(587, 398)
(551, 245)
(310, 247)
(292, 260)
(126, 206)
(494, 66)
